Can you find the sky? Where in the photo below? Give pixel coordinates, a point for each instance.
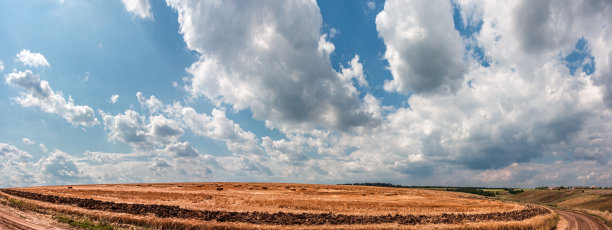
(411, 92)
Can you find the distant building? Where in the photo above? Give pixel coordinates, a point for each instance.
(580, 187)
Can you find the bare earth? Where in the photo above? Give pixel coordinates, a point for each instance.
(11, 218)
(577, 220)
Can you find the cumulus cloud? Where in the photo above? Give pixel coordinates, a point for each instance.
(18, 170)
(493, 125)
(355, 71)
(113, 99)
(523, 107)
(424, 52)
(502, 115)
(152, 103)
(60, 168)
(217, 127)
(39, 94)
(139, 131)
(27, 141)
(268, 59)
(158, 132)
(14, 167)
(32, 59)
(140, 8)
(1, 66)
(182, 149)
(101, 158)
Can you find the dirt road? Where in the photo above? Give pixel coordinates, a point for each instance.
(578, 220)
(14, 219)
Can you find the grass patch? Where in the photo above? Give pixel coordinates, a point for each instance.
(21, 205)
(15, 201)
(552, 222)
(472, 191)
(84, 223)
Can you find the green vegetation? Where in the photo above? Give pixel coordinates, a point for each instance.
(514, 191)
(472, 191)
(20, 204)
(84, 223)
(15, 201)
(483, 191)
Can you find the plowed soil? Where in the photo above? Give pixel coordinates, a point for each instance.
(278, 218)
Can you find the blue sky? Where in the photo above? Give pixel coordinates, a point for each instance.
(407, 92)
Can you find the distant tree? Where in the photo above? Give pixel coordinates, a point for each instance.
(473, 191)
(514, 191)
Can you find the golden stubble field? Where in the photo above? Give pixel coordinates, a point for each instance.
(289, 198)
(293, 198)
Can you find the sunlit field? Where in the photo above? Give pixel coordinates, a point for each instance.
(358, 206)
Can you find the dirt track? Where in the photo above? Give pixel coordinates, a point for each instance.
(13, 219)
(278, 218)
(578, 220)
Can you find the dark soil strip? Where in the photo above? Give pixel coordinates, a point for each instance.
(279, 218)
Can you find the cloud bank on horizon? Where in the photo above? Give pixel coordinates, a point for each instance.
(457, 93)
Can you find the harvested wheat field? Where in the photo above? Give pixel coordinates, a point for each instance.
(282, 206)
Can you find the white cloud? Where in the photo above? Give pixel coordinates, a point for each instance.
(39, 94)
(513, 113)
(14, 167)
(371, 5)
(355, 71)
(140, 8)
(113, 99)
(424, 51)
(492, 126)
(492, 123)
(553, 174)
(266, 57)
(325, 47)
(43, 148)
(182, 149)
(60, 168)
(139, 131)
(153, 104)
(32, 59)
(1, 66)
(333, 32)
(103, 158)
(217, 127)
(27, 141)
(158, 134)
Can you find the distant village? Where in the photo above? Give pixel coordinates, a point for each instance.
(571, 187)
